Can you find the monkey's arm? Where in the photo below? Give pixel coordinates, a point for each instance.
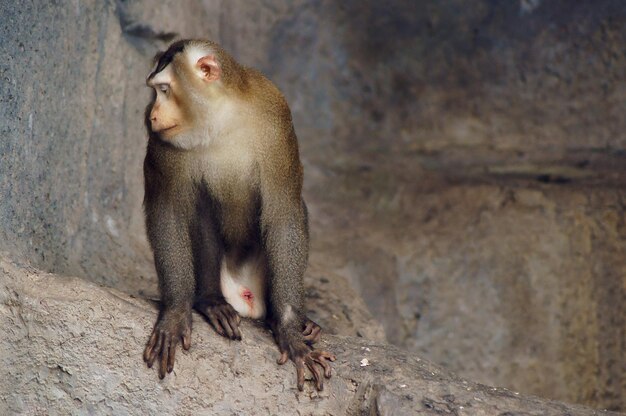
(169, 238)
(285, 235)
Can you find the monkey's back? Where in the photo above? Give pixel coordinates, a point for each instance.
(276, 143)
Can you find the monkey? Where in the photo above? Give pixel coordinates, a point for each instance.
(223, 205)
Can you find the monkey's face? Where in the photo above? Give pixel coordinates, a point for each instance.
(167, 116)
(183, 82)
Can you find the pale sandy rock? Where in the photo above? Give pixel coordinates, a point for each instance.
(68, 346)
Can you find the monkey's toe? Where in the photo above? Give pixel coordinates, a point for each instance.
(224, 318)
(316, 361)
(312, 332)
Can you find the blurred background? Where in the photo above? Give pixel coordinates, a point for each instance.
(465, 166)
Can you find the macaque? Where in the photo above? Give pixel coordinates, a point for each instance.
(224, 210)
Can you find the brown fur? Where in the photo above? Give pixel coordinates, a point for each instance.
(224, 185)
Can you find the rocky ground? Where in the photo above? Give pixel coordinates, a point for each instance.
(72, 347)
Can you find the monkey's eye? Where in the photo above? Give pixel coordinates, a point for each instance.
(163, 88)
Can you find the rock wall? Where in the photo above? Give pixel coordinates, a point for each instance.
(71, 120)
(516, 285)
(464, 166)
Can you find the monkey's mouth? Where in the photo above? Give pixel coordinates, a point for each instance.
(167, 129)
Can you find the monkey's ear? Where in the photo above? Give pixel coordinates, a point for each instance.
(209, 69)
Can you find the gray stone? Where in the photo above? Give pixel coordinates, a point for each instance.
(513, 285)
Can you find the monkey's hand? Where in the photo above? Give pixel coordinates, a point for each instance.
(222, 316)
(315, 360)
(312, 332)
(171, 328)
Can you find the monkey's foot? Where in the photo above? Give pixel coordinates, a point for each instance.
(170, 328)
(312, 332)
(314, 360)
(223, 317)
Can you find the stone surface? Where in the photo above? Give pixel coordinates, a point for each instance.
(71, 347)
(526, 280)
(464, 167)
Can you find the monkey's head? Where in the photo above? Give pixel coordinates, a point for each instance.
(190, 80)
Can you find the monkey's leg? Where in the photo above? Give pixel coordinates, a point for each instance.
(174, 265)
(210, 302)
(312, 331)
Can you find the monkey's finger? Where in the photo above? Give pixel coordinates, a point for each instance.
(314, 336)
(156, 350)
(186, 337)
(322, 361)
(235, 326)
(300, 374)
(317, 375)
(164, 356)
(216, 324)
(284, 356)
(308, 328)
(226, 325)
(233, 322)
(149, 347)
(171, 356)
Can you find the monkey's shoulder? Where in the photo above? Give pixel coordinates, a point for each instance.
(265, 97)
